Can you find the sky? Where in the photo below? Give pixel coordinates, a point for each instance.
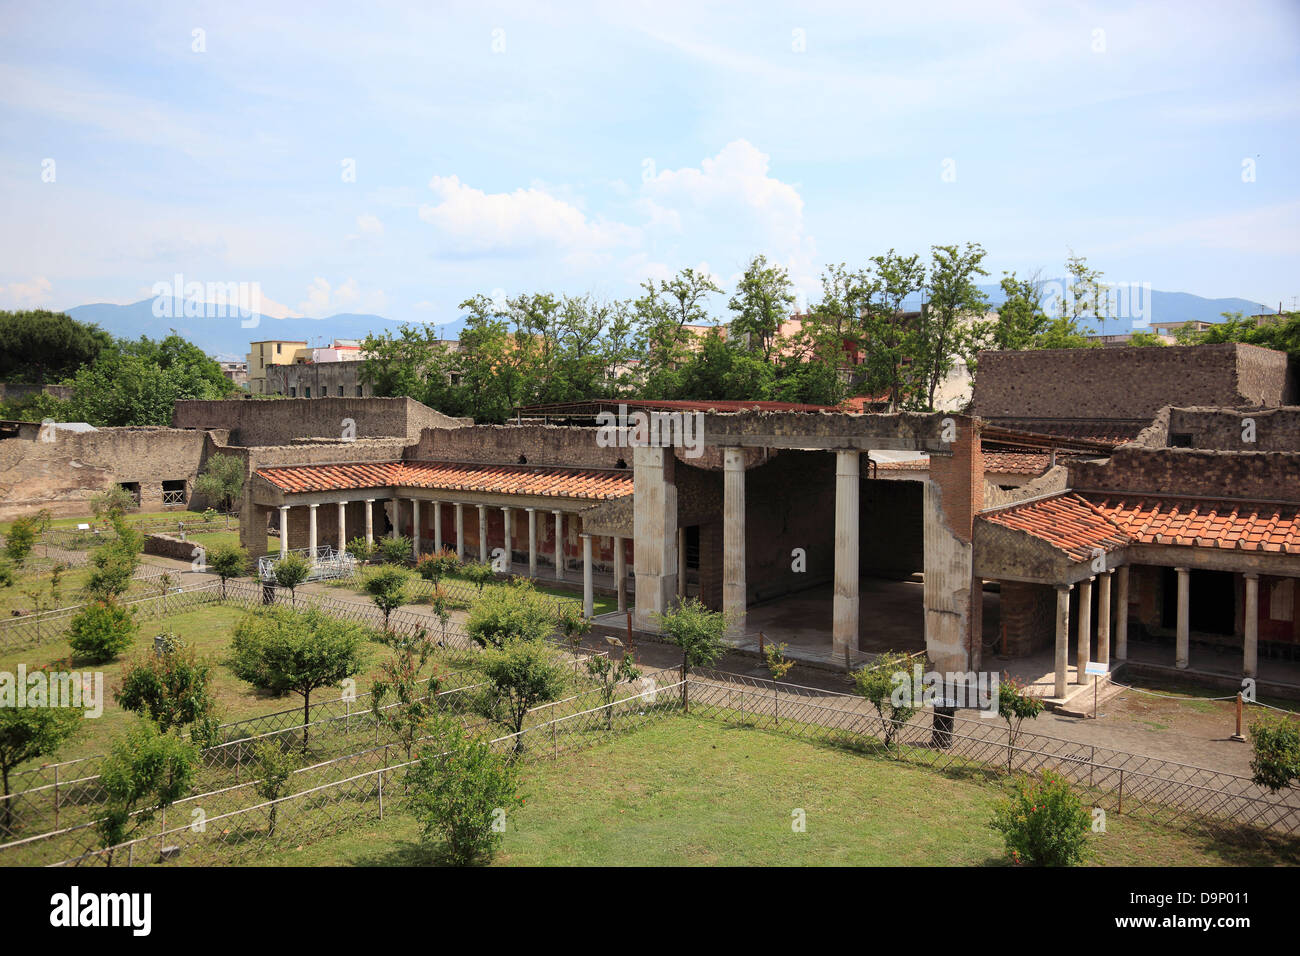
(397, 158)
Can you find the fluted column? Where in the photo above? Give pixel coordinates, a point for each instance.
(284, 530)
(1182, 641)
(482, 534)
(559, 545)
(844, 636)
(734, 589)
(588, 580)
(1121, 615)
(1083, 640)
(1062, 638)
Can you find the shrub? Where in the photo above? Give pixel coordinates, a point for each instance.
(395, 550)
(115, 562)
(699, 632)
(173, 690)
(435, 567)
(110, 504)
(461, 797)
(7, 577)
(228, 561)
(1276, 761)
(102, 631)
(505, 614)
(479, 573)
(363, 549)
(522, 675)
(387, 589)
(1045, 824)
(876, 683)
(145, 771)
(291, 571)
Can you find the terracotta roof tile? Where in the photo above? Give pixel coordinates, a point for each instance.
(1067, 522)
(591, 483)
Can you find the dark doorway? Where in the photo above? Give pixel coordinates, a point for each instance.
(1211, 605)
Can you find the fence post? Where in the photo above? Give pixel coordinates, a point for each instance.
(162, 833)
(56, 796)
(1092, 760)
(1121, 792)
(555, 742)
(381, 794)
(130, 854)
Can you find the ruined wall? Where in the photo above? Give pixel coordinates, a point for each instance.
(789, 503)
(324, 379)
(505, 444)
(1186, 471)
(891, 527)
(1126, 383)
(1272, 429)
(64, 474)
(1028, 618)
(953, 598)
(280, 421)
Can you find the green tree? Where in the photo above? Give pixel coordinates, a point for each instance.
(111, 504)
(1275, 762)
(27, 733)
(102, 631)
(283, 650)
(290, 572)
(402, 679)
(951, 325)
(461, 796)
(144, 773)
(608, 674)
(395, 550)
(222, 481)
(877, 684)
(43, 346)
(479, 573)
(387, 589)
(275, 766)
(888, 333)
(763, 300)
(435, 567)
(363, 549)
(1021, 319)
(174, 690)
(699, 632)
(521, 675)
(115, 562)
(20, 540)
(228, 561)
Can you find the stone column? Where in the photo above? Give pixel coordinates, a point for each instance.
(654, 534)
(844, 636)
(460, 531)
(1182, 643)
(1062, 638)
(311, 533)
(734, 593)
(1083, 640)
(559, 545)
(343, 527)
(588, 583)
(415, 528)
(397, 518)
(370, 520)
(532, 542)
(508, 533)
(1250, 649)
(482, 534)
(437, 526)
(1121, 615)
(620, 573)
(284, 530)
(1103, 618)
(681, 562)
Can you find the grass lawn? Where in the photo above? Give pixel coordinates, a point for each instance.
(133, 517)
(70, 584)
(208, 630)
(600, 604)
(210, 539)
(699, 792)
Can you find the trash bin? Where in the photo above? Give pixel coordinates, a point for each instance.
(941, 733)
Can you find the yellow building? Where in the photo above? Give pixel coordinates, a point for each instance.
(270, 352)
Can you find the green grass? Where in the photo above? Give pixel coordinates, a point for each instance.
(700, 792)
(601, 603)
(134, 517)
(210, 539)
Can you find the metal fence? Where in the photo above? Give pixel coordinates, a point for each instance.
(326, 563)
(1162, 791)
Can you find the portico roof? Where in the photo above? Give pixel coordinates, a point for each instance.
(588, 483)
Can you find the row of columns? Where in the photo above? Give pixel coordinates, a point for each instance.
(1182, 631)
(588, 569)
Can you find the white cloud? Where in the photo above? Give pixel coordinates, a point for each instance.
(26, 295)
(323, 298)
(370, 225)
(525, 218)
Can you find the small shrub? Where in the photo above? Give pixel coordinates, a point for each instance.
(290, 572)
(395, 550)
(20, 540)
(102, 631)
(363, 549)
(1276, 761)
(479, 573)
(1045, 824)
(435, 567)
(506, 614)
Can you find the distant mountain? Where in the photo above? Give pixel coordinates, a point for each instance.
(226, 338)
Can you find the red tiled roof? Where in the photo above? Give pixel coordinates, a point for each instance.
(492, 479)
(1205, 523)
(1076, 524)
(1016, 462)
(1068, 522)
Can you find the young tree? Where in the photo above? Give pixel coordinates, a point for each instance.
(395, 550)
(459, 795)
(174, 690)
(111, 504)
(479, 573)
(228, 561)
(876, 683)
(435, 567)
(700, 634)
(222, 481)
(20, 540)
(102, 631)
(145, 772)
(510, 613)
(25, 734)
(778, 665)
(387, 589)
(290, 572)
(522, 674)
(1085, 295)
(412, 711)
(763, 300)
(275, 766)
(281, 649)
(1015, 706)
(115, 562)
(608, 675)
(1021, 319)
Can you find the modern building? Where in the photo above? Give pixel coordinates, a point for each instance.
(262, 355)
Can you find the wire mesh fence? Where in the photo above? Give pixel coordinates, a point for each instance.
(1162, 791)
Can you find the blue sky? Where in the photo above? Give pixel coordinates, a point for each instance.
(583, 148)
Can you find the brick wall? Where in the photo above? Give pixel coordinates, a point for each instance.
(1126, 383)
(504, 444)
(1186, 471)
(1028, 617)
(280, 421)
(1273, 429)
